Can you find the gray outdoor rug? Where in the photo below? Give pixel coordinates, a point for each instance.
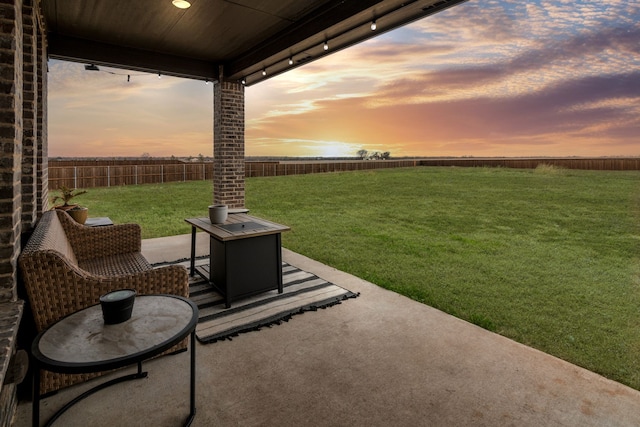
(303, 292)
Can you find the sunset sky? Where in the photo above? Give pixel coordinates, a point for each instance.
(485, 78)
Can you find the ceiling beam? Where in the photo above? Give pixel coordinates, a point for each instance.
(405, 12)
(316, 22)
(85, 51)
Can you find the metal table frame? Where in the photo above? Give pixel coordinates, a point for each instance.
(40, 361)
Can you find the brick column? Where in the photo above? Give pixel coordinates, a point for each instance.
(29, 116)
(228, 144)
(10, 144)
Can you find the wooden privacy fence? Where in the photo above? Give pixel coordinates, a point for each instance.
(107, 174)
(114, 175)
(254, 169)
(595, 163)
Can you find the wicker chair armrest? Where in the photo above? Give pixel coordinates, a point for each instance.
(57, 289)
(93, 242)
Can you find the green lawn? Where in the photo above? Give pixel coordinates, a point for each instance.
(549, 258)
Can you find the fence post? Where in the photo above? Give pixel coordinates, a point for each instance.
(136, 172)
(75, 177)
(108, 176)
(161, 174)
(184, 172)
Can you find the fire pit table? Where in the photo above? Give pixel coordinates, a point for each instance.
(245, 255)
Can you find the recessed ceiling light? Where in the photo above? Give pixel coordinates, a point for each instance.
(181, 4)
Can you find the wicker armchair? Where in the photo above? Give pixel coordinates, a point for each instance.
(66, 266)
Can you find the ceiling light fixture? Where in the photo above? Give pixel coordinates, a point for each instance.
(264, 72)
(159, 75)
(290, 61)
(326, 46)
(243, 81)
(181, 4)
(374, 26)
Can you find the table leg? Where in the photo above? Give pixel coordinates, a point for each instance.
(222, 288)
(138, 375)
(192, 401)
(35, 409)
(193, 251)
(279, 257)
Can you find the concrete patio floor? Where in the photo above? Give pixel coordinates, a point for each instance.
(378, 360)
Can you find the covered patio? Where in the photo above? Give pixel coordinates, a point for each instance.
(378, 360)
(232, 44)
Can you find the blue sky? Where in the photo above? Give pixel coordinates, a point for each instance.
(485, 78)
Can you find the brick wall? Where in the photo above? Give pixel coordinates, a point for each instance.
(11, 134)
(228, 144)
(11, 100)
(22, 78)
(29, 116)
(42, 157)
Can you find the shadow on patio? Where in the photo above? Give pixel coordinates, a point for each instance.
(380, 359)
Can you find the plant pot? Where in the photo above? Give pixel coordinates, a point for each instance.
(117, 306)
(79, 214)
(218, 214)
(66, 208)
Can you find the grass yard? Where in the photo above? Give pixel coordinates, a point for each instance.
(547, 257)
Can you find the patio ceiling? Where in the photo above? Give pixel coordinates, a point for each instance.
(214, 39)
